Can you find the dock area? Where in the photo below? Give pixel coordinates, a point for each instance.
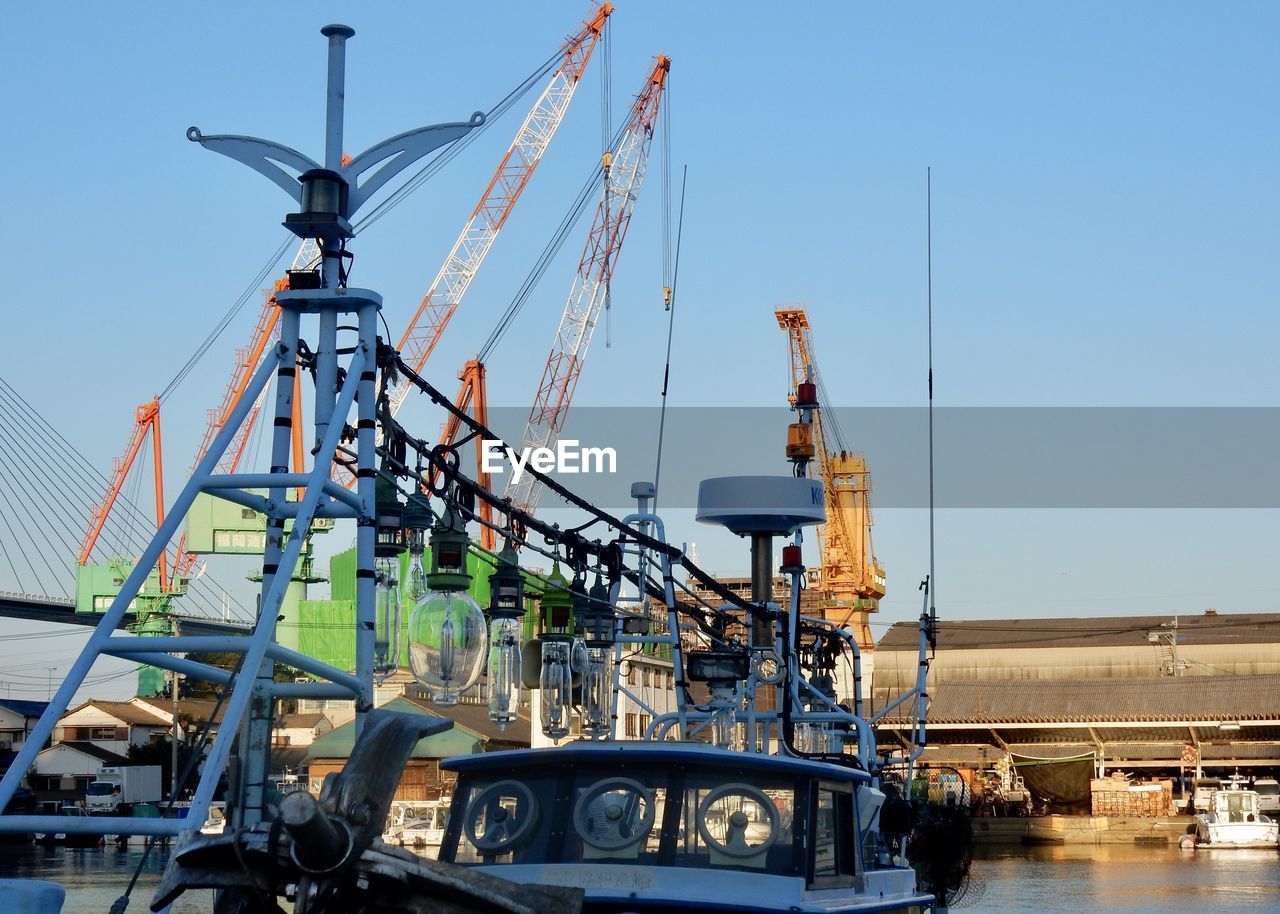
(1081, 830)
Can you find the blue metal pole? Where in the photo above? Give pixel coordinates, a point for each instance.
(271, 600)
(366, 530)
(336, 94)
(111, 618)
(255, 728)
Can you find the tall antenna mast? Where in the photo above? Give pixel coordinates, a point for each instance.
(933, 589)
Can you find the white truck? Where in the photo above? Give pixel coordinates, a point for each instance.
(117, 788)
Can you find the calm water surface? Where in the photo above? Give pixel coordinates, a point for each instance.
(1116, 877)
(1054, 880)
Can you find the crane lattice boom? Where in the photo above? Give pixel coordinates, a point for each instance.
(624, 174)
(497, 202)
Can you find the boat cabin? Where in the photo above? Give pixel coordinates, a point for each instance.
(667, 805)
(1231, 805)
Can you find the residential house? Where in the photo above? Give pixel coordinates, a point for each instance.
(17, 718)
(112, 725)
(63, 771)
(299, 730)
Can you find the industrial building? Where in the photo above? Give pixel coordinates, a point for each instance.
(1155, 695)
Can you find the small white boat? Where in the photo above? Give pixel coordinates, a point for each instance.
(1234, 820)
(417, 823)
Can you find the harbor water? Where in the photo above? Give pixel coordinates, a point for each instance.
(1070, 878)
(1117, 877)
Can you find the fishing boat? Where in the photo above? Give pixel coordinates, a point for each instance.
(763, 790)
(667, 827)
(1234, 820)
(419, 824)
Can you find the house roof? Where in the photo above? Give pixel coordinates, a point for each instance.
(458, 740)
(90, 749)
(1098, 631)
(197, 710)
(475, 717)
(124, 711)
(1167, 698)
(300, 721)
(25, 708)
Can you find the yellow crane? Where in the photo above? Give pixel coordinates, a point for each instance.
(851, 581)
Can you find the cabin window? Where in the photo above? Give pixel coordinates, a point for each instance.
(697, 818)
(834, 857)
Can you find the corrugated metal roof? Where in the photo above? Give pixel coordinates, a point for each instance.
(1175, 698)
(1100, 631)
(25, 708)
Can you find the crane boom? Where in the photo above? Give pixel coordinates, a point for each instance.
(496, 203)
(852, 580)
(624, 174)
(146, 420)
(247, 360)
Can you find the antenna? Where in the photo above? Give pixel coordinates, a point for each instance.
(933, 598)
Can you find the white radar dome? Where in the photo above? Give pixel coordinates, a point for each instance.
(779, 505)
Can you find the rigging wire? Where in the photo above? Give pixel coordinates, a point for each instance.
(228, 316)
(674, 278)
(448, 153)
(570, 219)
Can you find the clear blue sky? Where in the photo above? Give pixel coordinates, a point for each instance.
(1105, 225)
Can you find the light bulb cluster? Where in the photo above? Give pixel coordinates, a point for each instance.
(577, 658)
(452, 642)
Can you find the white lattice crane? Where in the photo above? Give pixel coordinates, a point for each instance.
(624, 174)
(499, 199)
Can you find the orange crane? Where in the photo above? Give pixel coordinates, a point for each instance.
(851, 580)
(146, 421)
(624, 172)
(437, 307)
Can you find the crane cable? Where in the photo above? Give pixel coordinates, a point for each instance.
(671, 323)
(576, 208)
(447, 154)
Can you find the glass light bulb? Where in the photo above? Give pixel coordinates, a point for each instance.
(504, 671)
(448, 643)
(555, 689)
(578, 656)
(597, 691)
(724, 730)
(386, 615)
(417, 579)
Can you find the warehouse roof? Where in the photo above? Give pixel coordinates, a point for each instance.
(1098, 631)
(1166, 698)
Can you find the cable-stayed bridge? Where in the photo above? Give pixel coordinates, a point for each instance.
(48, 490)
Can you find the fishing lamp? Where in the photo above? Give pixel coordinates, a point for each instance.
(555, 678)
(417, 521)
(448, 637)
(506, 609)
(721, 671)
(388, 544)
(555, 686)
(596, 615)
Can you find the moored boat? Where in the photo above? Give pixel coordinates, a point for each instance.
(1234, 820)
